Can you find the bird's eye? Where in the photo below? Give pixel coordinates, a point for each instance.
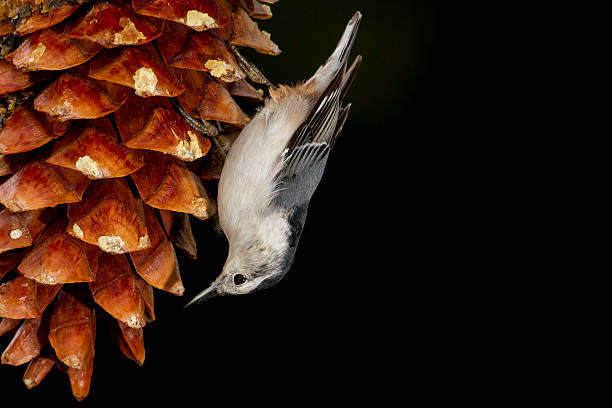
(239, 279)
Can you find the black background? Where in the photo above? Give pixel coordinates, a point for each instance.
(329, 330)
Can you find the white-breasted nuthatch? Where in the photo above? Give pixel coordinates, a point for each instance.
(273, 168)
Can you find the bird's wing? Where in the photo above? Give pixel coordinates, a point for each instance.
(313, 140)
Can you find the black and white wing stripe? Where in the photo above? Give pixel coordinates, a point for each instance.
(313, 140)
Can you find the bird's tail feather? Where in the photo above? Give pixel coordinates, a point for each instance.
(338, 59)
(349, 76)
(345, 44)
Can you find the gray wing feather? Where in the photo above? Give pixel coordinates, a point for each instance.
(316, 129)
(340, 124)
(306, 153)
(313, 140)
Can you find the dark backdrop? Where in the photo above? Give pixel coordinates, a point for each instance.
(324, 329)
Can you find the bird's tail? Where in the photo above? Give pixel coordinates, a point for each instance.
(324, 75)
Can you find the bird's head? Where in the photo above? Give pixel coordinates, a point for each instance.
(248, 268)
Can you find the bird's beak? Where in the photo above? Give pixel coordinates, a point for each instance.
(206, 294)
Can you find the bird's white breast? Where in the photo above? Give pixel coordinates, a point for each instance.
(247, 182)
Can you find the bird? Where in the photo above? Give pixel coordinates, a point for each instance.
(272, 170)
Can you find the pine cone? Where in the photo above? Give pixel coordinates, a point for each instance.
(111, 115)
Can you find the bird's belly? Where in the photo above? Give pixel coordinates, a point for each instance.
(247, 181)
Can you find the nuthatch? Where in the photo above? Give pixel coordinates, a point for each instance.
(273, 168)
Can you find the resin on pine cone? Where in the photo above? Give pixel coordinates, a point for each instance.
(114, 117)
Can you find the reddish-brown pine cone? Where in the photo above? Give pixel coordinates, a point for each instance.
(108, 110)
